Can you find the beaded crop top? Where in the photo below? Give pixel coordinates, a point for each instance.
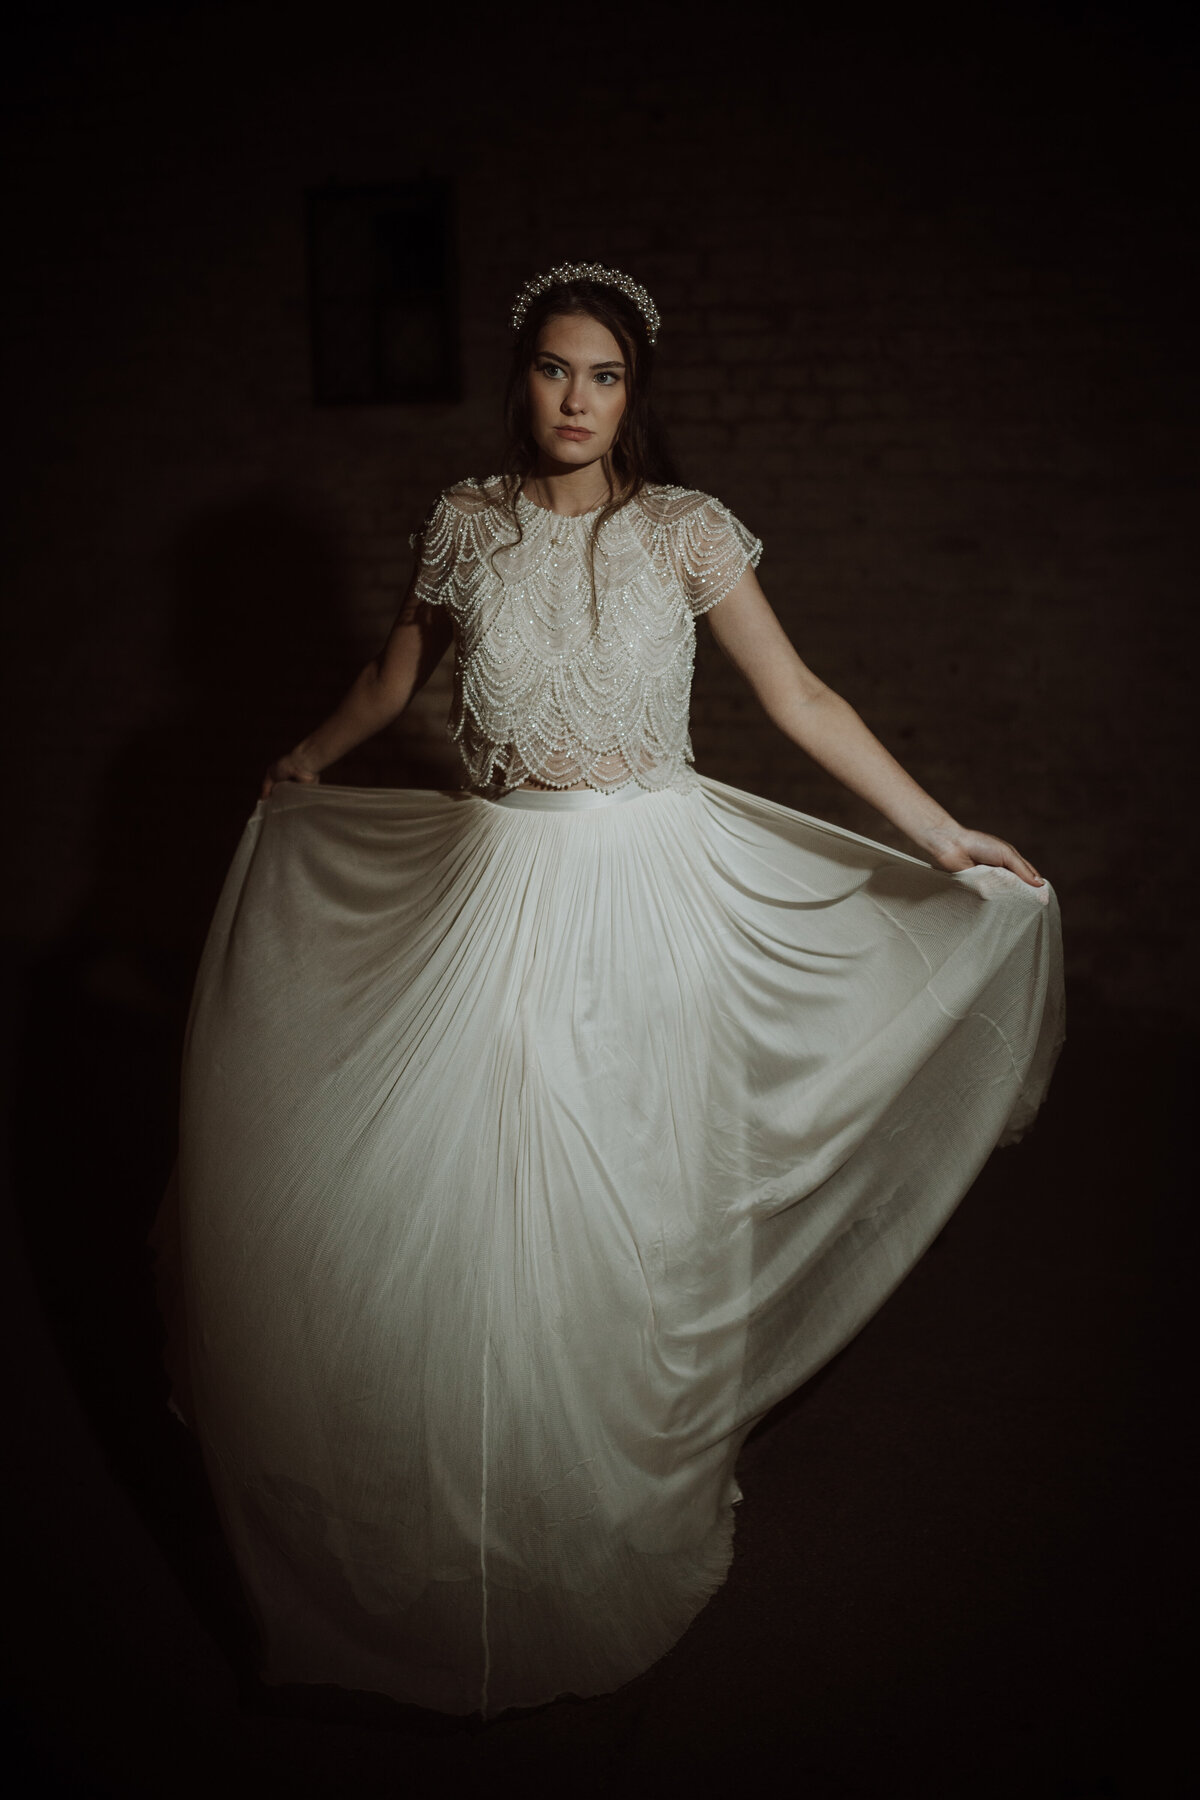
(549, 687)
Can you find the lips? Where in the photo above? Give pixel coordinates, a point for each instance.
(572, 431)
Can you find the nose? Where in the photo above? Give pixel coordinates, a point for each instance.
(573, 402)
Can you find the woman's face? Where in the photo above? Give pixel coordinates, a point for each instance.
(576, 391)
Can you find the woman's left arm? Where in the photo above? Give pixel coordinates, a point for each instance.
(828, 728)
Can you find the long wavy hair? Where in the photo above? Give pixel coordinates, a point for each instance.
(640, 452)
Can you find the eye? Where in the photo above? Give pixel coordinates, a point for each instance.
(609, 376)
(549, 368)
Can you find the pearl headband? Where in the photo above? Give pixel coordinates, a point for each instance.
(632, 290)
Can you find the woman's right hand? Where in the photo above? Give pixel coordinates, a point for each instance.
(291, 767)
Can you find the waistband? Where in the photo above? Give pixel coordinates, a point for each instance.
(567, 799)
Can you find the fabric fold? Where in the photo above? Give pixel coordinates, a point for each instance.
(530, 1153)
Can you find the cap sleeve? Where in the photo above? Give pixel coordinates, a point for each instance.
(436, 547)
(713, 550)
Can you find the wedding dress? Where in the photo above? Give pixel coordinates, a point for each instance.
(535, 1143)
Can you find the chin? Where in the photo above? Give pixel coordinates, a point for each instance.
(575, 456)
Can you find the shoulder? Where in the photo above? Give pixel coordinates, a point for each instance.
(694, 520)
(453, 511)
(666, 505)
(707, 546)
(473, 495)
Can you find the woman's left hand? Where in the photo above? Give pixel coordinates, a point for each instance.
(959, 848)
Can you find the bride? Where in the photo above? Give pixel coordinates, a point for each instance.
(537, 1137)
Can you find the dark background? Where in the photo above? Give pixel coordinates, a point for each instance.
(929, 298)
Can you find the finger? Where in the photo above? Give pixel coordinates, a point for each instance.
(1017, 863)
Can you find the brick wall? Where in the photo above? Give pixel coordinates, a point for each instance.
(925, 330)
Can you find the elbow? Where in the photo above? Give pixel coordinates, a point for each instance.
(814, 692)
(806, 711)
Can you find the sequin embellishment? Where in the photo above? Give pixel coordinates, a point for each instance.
(548, 687)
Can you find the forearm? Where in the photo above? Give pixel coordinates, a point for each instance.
(371, 703)
(832, 733)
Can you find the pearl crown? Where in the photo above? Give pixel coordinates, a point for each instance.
(632, 290)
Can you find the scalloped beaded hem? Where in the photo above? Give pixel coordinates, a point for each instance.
(699, 608)
(682, 781)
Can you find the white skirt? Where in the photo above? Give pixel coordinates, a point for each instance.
(531, 1151)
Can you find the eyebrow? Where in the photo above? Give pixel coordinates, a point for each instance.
(566, 361)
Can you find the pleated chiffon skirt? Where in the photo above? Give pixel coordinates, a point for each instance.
(532, 1150)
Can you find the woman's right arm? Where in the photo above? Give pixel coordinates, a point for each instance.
(415, 646)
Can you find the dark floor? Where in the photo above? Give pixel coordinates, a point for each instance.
(958, 1560)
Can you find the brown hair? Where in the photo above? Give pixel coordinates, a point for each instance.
(640, 451)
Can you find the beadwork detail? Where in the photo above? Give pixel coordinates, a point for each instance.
(548, 687)
(632, 290)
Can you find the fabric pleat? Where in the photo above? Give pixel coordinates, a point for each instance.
(529, 1154)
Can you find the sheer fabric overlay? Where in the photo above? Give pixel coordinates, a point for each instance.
(551, 683)
(532, 1151)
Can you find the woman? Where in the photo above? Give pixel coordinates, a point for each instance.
(538, 1137)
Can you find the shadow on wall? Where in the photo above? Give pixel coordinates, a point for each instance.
(261, 649)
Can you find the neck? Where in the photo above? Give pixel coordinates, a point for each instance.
(562, 489)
